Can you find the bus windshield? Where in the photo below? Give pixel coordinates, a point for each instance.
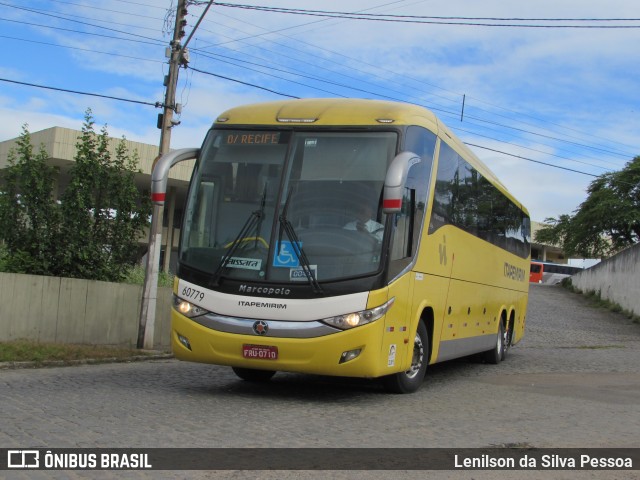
(284, 206)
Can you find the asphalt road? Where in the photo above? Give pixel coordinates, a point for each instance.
(572, 382)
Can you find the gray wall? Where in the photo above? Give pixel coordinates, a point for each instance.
(68, 310)
(617, 279)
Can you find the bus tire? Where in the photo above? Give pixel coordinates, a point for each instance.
(253, 375)
(410, 381)
(497, 353)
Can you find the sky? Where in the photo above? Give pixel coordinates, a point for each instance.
(547, 106)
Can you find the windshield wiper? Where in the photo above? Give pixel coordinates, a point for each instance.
(287, 227)
(254, 220)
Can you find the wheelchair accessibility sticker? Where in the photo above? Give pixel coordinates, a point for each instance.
(285, 255)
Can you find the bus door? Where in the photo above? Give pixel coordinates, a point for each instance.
(408, 223)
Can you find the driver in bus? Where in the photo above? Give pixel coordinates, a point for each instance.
(365, 222)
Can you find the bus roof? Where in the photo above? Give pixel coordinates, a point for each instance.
(329, 111)
(352, 112)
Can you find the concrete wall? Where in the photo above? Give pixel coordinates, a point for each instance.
(617, 279)
(68, 310)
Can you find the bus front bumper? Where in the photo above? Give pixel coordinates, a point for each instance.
(323, 355)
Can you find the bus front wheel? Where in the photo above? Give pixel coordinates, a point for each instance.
(253, 375)
(410, 381)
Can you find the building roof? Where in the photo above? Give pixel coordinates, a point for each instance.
(60, 145)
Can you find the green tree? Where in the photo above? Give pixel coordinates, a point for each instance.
(606, 222)
(29, 215)
(130, 212)
(92, 232)
(103, 212)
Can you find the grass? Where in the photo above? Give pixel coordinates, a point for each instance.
(136, 275)
(30, 351)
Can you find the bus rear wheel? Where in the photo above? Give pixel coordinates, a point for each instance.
(497, 353)
(410, 381)
(253, 375)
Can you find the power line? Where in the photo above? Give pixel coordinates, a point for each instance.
(126, 2)
(591, 135)
(550, 137)
(375, 15)
(472, 21)
(80, 49)
(504, 126)
(110, 10)
(269, 32)
(309, 86)
(233, 61)
(605, 175)
(400, 1)
(475, 134)
(242, 82)
(431, 104)
(244, 67)
(530, 159)
(72, 18)
(156, 43)
(297, 39)
(75, 21)
(159, 104)
(362, 90)
(140, 102)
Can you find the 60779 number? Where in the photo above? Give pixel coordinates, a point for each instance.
(192, 293)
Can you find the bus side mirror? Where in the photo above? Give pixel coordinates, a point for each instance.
(395, 181)
(160, 173)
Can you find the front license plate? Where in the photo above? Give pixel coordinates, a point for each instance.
(260, 352)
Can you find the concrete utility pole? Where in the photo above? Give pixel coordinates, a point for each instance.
(146, 328)
(150, 288)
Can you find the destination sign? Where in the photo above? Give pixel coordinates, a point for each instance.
(253, 138)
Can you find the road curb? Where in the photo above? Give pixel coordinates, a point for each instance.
(84, 361)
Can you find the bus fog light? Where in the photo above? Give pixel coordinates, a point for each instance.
(349, 355)
(184, 341)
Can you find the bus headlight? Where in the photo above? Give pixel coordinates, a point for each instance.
(187, 309)
(356, 319)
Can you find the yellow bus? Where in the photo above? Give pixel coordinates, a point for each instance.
(346, 237)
